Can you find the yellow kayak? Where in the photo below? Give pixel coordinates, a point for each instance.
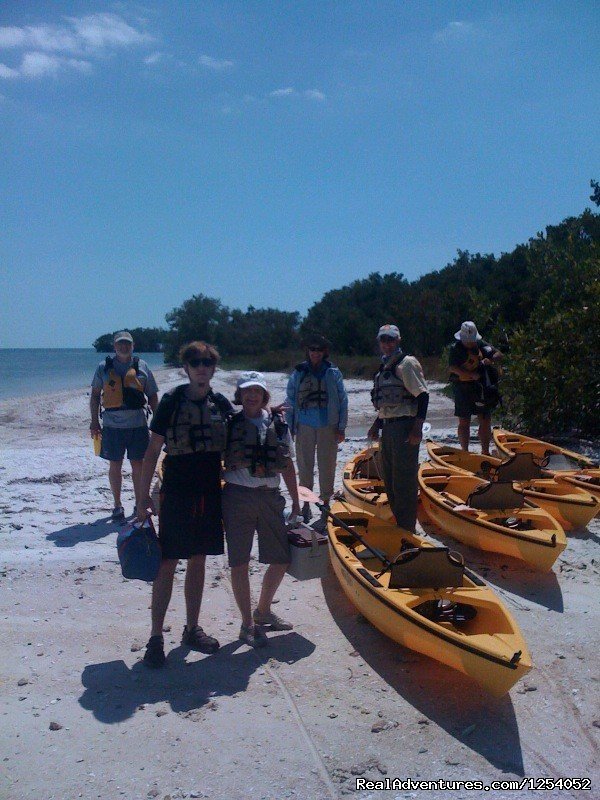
(491, 516)
(558, 458)
(463, 624)
(586, 479)
(363, 484)
(572, 506)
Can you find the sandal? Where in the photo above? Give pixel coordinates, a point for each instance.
(253, 635)
(197, 639)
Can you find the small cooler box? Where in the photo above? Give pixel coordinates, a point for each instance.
(309, 556)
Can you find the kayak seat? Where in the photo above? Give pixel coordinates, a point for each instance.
(446, 611)
(496, 495)
(427, 568)
(519, 467)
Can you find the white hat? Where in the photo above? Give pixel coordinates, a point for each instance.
(389, 330)
(123, 336)
(252, 379)
(468, 333)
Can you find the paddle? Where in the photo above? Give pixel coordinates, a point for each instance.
(306, 496)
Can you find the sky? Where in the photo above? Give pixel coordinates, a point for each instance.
(264, 153)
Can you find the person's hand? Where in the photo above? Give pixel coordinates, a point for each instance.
(282, 408)
(145, 509)
(95, 428)
(340, 436)
(295, 512)
(373, 432)
(486, 362)
(416, 433)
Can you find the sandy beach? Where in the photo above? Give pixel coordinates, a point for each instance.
(323, 705)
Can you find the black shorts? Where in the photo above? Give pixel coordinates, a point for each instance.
(191, 525)
(468, 397)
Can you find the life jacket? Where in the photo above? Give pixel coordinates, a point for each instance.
(389, 390)
(245, 449)
(123, 393)
(312, 392)
(196, 427)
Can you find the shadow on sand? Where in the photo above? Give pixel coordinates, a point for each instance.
(84, 532)
(484, 724)
(504, 572)
(113, 691)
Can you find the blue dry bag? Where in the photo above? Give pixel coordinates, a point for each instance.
(139, 551)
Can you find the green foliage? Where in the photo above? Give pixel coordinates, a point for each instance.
(147, 340)
(595, 196)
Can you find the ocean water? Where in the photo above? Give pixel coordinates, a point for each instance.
(27, 371)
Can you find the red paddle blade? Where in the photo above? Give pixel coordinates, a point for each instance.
(307, 496)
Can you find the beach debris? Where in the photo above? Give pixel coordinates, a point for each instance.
(55, 726)
(22, 681)
(468, 730)
(383, 725)
(161, 712)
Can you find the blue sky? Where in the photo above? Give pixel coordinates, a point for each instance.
(266, 152)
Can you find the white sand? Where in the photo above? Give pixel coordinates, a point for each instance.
(293, 720)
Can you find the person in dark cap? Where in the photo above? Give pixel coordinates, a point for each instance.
(401, 398)
(317, 416)
(125, 385)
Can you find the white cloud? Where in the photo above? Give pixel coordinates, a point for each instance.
(51, 48)
(8, 72)
(287, 92)
(36, 65)
(315, 94)
(218, 65)
(153, 58)
(454, 31)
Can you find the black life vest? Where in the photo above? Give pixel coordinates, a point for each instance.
(245, 449)
(196, 426)
(312, 391)
(122, 393)
(389, 390)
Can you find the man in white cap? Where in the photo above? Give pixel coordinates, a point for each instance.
(401, 398)
(125, 385)
(474, 381)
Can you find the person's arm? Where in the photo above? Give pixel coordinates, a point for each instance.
(289, 478)
(153, 402)
(416, 432)
(146, 506)
(95, 427)
(373, 432)
(290, 402)
(343, 402)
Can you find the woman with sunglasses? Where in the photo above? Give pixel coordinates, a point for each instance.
(191, 423)
(317, 416)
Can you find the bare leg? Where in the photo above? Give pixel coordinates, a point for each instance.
(464, 432)
(194, 586)
(161, 594)
(115, 479)
(485, 433)
(273, 577)
(136, 475)
(240, 583)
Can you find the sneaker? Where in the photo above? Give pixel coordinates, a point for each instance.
(197, 639)
(306, 513)
(253, 635)
(155, 652)
(118, 514)
(272, 620)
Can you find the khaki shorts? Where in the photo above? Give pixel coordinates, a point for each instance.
(246, 510)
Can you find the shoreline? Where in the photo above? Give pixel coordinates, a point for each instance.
(322, 705)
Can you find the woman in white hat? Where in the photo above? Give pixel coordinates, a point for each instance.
(259, 450)
(474, 380)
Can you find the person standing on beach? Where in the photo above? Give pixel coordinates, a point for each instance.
(124, 385)
(191, 422)
(401, 398)
(474, 381)
(317, 416)
(259, 451)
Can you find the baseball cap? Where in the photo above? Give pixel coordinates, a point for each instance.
(252, 379)
(122, 336)
(389, 330)
(468, 333)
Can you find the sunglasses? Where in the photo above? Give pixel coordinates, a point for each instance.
(124, 342)
(316, 349)
(205, 362)
(388, 339)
